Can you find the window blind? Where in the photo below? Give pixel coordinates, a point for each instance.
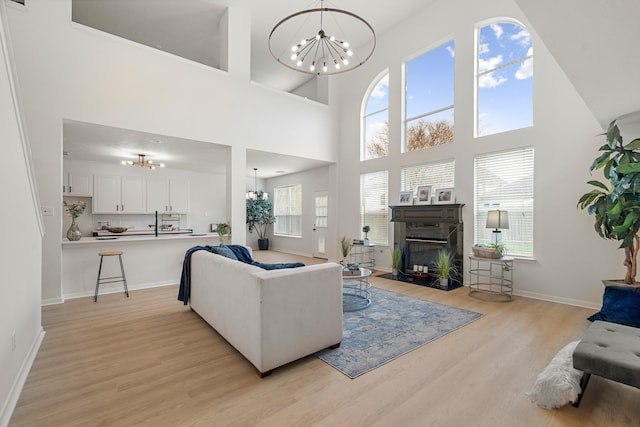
(437, 174)
(287, 207)
(504, 180)
(374, 205)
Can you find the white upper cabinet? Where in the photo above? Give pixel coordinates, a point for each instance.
(76, 184)
(167, 195)
(119, 194)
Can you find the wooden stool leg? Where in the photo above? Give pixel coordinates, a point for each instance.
(124, 279)
(95, 297)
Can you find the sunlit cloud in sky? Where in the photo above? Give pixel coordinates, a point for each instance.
(382, 88)
(497, 30)
(526, 68)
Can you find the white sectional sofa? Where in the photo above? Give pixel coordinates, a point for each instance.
(272, 317)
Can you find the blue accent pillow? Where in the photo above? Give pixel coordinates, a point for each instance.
(224, 251)
(620, 304)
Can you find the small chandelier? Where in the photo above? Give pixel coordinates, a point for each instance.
(142, 162)
(255, 195)
(314, 41)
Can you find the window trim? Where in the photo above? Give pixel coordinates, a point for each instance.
(364, 115)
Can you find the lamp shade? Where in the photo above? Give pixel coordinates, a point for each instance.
(498, 219)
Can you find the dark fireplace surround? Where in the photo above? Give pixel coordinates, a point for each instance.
(420, 231)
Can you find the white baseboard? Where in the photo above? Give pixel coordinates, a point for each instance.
(18, 384)
(117, 289)
(52, 301)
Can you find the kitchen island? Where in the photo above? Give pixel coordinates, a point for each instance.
(148, 260)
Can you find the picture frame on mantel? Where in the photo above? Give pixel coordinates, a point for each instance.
(424, 195)
(405, 198)
(444, 196)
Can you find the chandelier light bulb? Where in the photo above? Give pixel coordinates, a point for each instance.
(324, 67)
(349, 53)
(344, 61)
(312, 66)
(299, 63)
(345, 44)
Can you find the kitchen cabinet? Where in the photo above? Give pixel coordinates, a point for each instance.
(76, 184)
(119, 194)
(167, 195)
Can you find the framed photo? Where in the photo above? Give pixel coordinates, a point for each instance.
(405, 198)
(445, 196)
(424, 195)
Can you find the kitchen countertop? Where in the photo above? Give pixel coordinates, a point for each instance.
(132, 238)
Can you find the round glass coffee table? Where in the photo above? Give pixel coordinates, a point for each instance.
(356, 290)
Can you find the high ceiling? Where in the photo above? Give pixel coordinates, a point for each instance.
(191, 29)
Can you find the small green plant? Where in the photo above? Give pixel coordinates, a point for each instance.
(396, 257)
(366, 230)
(74, 209)
(345, 246)
(445, 264)
(499, 247)
(224, 232)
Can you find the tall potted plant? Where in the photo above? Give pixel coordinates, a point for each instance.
(259, 217)
(446, 267)
(616, 206)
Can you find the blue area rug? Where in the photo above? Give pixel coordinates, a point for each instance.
(393, 325)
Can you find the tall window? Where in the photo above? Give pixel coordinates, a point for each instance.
(374, 205)
(504, 78)
(429, 98)
(287, 208)
(436, 174)
(375, 121)
(504, 181)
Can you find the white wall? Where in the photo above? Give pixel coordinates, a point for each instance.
(570, 258)
(19, 251)
(68, 71)
(313, 180)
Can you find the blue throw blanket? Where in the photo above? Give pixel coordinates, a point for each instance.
(241, 253)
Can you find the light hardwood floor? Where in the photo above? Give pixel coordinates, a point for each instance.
(148, 360)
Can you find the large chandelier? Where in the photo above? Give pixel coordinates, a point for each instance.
(319, 41)
(143, 163)
(256, 194)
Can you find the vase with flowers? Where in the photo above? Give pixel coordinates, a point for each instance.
(74, 209)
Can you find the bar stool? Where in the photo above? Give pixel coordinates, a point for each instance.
(111, 279)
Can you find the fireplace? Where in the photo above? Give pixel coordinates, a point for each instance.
(420, 231)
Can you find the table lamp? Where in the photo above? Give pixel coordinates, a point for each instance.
(497, 220)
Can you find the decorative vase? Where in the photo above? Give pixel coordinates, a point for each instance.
(74, 233)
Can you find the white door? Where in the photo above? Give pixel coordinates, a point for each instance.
(320, 223)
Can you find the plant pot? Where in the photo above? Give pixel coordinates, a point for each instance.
(263, 244)
(618, 282)
(394, 273)
(444, 283)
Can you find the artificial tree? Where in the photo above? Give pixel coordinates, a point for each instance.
(616, 206)
(259, 217)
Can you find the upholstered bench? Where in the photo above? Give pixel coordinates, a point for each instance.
(611, 351)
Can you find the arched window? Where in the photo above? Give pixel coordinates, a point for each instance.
(375, 120)
(429, 98)
(504, 78)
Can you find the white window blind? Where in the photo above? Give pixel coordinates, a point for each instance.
(437, 174)
(374, 205)
(504, 180)
(287, 207)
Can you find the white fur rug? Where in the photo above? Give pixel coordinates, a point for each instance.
(559, 383)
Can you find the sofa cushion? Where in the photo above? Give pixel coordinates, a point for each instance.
(620, 304)
(224, 251)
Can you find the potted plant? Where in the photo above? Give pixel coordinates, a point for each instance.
(499, 248)
(259, 217)
(345, 248)
(366, 230)
(224, 232)
(396, 257)
(615, 204)
(446, 267)
(74, 209)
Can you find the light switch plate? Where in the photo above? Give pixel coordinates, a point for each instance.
(46, 211)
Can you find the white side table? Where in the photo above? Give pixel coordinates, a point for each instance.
(491, 279)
